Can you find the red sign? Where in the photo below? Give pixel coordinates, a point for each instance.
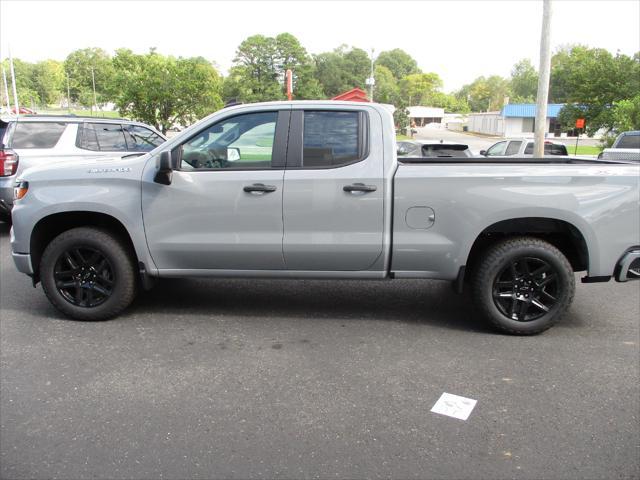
(579, 122)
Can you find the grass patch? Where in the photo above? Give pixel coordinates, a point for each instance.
(402, 137)
(81, 113)
(583, 150)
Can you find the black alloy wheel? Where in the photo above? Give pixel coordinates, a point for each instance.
(84, 276)
(526, 289)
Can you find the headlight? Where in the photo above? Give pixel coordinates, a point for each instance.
(20, 190)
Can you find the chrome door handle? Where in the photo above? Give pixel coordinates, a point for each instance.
(359, 187)
(259, 187)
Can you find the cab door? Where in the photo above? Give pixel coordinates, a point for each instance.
(223, 208)
(333, 204)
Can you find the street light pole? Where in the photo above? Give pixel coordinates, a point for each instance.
(371, 77)
(13, 82)
(68, 95)
(543, 80)
(93, 79)
(6, 90)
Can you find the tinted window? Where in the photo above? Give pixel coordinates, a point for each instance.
(331, 139)
(88, 138)
(3, 131)
(140, 139)
(513, 148)
(110, 137)
(555, 149)
(243, 141)
(37, 135)
(529, 149)
(629, 141)
(497, 149)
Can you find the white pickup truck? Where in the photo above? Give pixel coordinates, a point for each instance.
(316, 190)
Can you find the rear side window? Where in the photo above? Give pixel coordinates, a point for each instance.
(141, 139)
(529, 149)
(4, 126)
(37, 134)
(103, 137)
(554, 149)
(513, 148)
(332, 139)
(629, 141)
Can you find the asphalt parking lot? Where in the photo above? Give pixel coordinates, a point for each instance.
(314, 379)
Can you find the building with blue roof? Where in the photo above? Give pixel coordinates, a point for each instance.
(515, 119)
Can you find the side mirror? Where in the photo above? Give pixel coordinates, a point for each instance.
(165, 169)
(483, 153)
(233, 154)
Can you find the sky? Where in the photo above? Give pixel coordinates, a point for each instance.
(459, 40)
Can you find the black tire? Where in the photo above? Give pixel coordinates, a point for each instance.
(516, 278)
(82, 291)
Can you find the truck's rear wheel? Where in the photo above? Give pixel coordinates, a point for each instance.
(88, 274)
(523, 285)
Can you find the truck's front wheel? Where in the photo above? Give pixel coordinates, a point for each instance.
(523, 285)
(88, 274)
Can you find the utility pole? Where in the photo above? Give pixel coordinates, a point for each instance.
(543, 80)
(68, 95)
(6, 90)
(95, 102)
(13, 81)
(371, 81)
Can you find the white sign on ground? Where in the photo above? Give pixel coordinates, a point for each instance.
(454, 406)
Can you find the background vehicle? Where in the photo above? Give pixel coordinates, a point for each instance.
(626, 147)
(31, 140)
(408, 148)
(522, 147)
(316, 190)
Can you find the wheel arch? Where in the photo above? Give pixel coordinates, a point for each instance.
(565, 236)
(50, 226)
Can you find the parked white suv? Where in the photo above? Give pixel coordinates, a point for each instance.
(31, 140)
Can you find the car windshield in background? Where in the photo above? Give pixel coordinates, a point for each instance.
(629, 141)
(444, 150)
(37, 134)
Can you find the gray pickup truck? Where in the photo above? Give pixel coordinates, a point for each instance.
(316, 190)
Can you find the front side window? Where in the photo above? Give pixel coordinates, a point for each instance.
(37, 134)
(141, 139)
(240, 142)
(331, 139)
(110, 137)
(497, 149)
(102, 137)
(513, 148)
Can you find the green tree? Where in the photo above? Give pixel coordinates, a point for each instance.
(399, 62)
(342, 69)
(48, 81)
(485, 93)
(524, 82)
(164, 91)
(417, 88)
(259, 70)
(24, 73)
(592, 81)
(79, 66)
(386, 88)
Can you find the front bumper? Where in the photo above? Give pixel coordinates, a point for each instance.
(628, 267)
(23, 262)
(6, 193)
